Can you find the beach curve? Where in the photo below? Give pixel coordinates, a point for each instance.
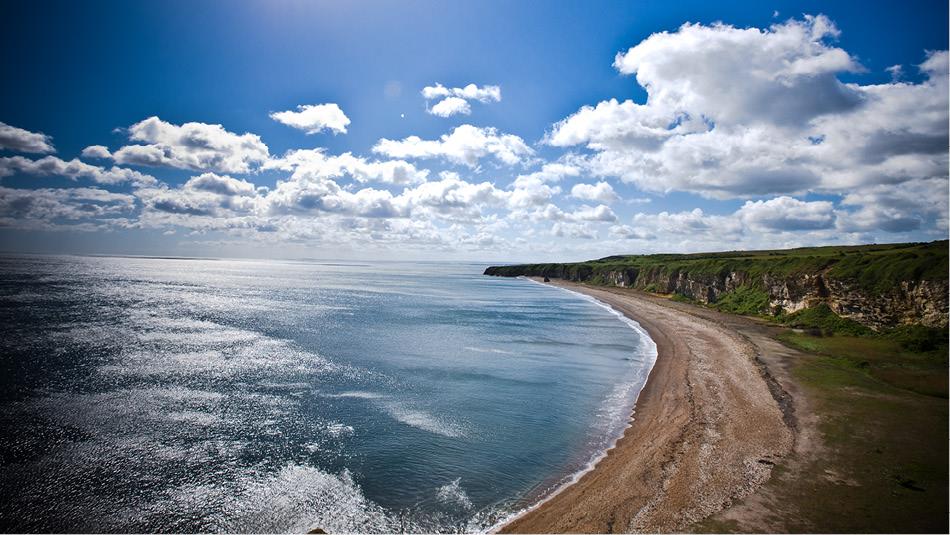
(705, 432)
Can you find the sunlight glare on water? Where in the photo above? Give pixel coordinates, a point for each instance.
(144, 394)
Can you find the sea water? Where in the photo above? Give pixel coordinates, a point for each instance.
(147, 394)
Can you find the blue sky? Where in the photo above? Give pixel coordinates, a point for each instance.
(844, 75)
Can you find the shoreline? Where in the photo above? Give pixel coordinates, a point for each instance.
(592, 463)
(705, 431)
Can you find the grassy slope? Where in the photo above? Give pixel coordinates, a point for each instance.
(881, 403)
(882, 465)
(883, 422)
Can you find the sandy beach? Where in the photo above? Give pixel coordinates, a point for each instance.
(706, 431)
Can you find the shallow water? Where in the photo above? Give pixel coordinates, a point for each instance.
(219, 395)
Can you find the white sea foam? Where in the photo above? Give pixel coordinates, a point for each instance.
(451, 494)
(424, 421)
(357, 394)
(337, 430)
(296, 499)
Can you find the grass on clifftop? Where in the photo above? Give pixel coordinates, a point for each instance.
(871, 267)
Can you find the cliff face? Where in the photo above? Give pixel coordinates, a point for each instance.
(923, 302)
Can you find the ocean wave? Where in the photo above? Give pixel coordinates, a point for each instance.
(488, 350)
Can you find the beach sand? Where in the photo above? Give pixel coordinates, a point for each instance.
(707, 429)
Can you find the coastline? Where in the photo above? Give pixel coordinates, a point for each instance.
(574, 477)
(705, 431)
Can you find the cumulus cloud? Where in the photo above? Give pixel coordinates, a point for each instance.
(20, 140)
(626, 232)
(600, 191)
(530, 190)
(488, 93)
(96, 152)
(314, 118)
(454, 198)
(222, 185)
(451, 106)
(788, 222)
(788, 214)
(315, 163)
(73, 169)
(316, 196)
(601, 213)
(740, 112)
(455, 100)
(195, 146)
(897, 208)
(47, 208)
(465, 145)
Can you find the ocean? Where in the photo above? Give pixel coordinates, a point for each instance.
(186, 395)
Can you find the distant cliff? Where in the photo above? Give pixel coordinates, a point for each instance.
(879, 286)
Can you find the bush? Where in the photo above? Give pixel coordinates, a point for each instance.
(821, 317)
(918, 338)
(744, 300)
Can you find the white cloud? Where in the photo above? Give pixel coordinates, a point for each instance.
(314, 118)
(601, 213)
(222, 185)
(455, 100)
(787, 214)
(626, 232)
(466, 145)
(73, 169)
(196, 146)
(451, 106)
(20, 140)
(531, 190)
(550, 172)
(96, 152)
(694, 223)
(315, 163)
(45, 207)
(601, 191)
(897, 207)
(453, 198)
(737, 112)
(577, 231)
(896, 72)
(488, 93)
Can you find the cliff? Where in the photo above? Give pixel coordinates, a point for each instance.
(880, 286)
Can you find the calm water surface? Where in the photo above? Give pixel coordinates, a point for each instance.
(219, 395)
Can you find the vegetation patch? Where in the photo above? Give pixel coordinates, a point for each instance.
(745, 300)
(822, 320)
(680, 298)
(880, 358)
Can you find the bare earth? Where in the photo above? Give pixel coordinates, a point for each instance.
(707, 429)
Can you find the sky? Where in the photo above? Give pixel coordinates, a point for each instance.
(484, 131)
